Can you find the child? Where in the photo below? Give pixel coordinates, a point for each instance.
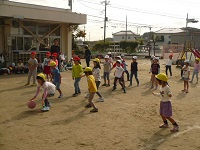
(48, 88)
(125, 65)
(119, 76)
(97, 76)
(165, 103)
(56, 77)
(20, 66)
(77, 71)
(54, 58)
(47, 69)
(134, 71)
(92, 89)
(110, 58)
(155, 69)
(186, 76)
(196, 70)
(32, 67)
(182, 64)
(169, 65)
(107, 67)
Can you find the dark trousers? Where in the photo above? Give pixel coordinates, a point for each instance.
(136, 77)
(170, 70)
(88, 62)
(46, 102)
(121, 82)
(97, 84)
(127, 73)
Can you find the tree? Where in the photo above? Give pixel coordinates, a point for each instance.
(99, 46)
(76, 33)
(129, 46)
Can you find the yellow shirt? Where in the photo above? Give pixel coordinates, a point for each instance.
(91, 84)
(77, 70)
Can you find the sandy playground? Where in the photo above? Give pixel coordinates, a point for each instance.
(124, 122)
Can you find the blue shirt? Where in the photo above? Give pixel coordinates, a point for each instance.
(56, 75)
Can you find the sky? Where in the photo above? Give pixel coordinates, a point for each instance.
(141, 14)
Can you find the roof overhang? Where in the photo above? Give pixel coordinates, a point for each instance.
(16, 10)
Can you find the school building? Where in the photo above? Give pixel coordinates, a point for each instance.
(26, 27)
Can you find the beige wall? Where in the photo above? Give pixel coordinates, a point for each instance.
(66, 40)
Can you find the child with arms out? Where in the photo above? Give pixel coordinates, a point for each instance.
(165, 103)
(155, 69)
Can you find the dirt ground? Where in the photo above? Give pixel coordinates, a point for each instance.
(124, 122)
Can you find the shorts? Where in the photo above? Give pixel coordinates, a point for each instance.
(106, 75)
(57, 85)
(166, 109)
(186, 79)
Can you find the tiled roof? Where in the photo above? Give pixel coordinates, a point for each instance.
(124, 33)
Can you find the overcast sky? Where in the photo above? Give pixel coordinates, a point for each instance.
(140, 14)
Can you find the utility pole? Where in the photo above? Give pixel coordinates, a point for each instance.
(84, 32)
(105, 20)
(149, 41)
(70, 4)
(126, 29)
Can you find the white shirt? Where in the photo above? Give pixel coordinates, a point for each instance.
(169, 62)
(49, 86)
(186, 72)
(119, 71)
(164, 93)
(96, 74)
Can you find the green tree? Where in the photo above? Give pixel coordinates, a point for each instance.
(129, 46)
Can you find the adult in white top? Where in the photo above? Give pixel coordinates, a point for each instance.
(169, 65)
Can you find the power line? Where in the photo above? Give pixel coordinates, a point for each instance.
(88, 6)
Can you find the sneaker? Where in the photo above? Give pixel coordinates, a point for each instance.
(88, 106)
(45, 108)
(33, 84)
(107, 85)
(175, 129)
(114, 88)
(79, 93)
(87, 96)
(61, 95)
(104, 84)
(27, 84)
(130, 85)
(94, 110)
(164, 126)
(124, 90)
(50, 95)
(101, 99)
(75, 94)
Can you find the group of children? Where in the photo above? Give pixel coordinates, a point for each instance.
(94, 80)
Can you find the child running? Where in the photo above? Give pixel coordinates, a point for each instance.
(165, 103)
(155, 69)
(48, 88)
(110, 58)
(196, 70)
(77, 71)
(92, 89)
(47, 69)
(186, 76)
(32, 69)
(119, 76)
(134, 71)
(97, 76)
(56, 76)
(107, 67)
(125, 67)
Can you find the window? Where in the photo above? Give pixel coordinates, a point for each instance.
(19, 43)
(122, 37)
(129, 37)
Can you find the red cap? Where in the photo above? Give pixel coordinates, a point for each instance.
(55, 54)
(33, 53)
(48, 53)
(171, 55)
(77, 58)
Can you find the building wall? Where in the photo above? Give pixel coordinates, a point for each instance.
(123, 37)
(167, 39)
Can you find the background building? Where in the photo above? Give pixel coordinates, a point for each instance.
(124, 36)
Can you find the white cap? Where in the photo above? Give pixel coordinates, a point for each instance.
(119, 61)
(119, 57)
(156, 58)
(106, 56)
(186, 61)
(109, 53)
(122, 55)
(134, 57)
(152, 56)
